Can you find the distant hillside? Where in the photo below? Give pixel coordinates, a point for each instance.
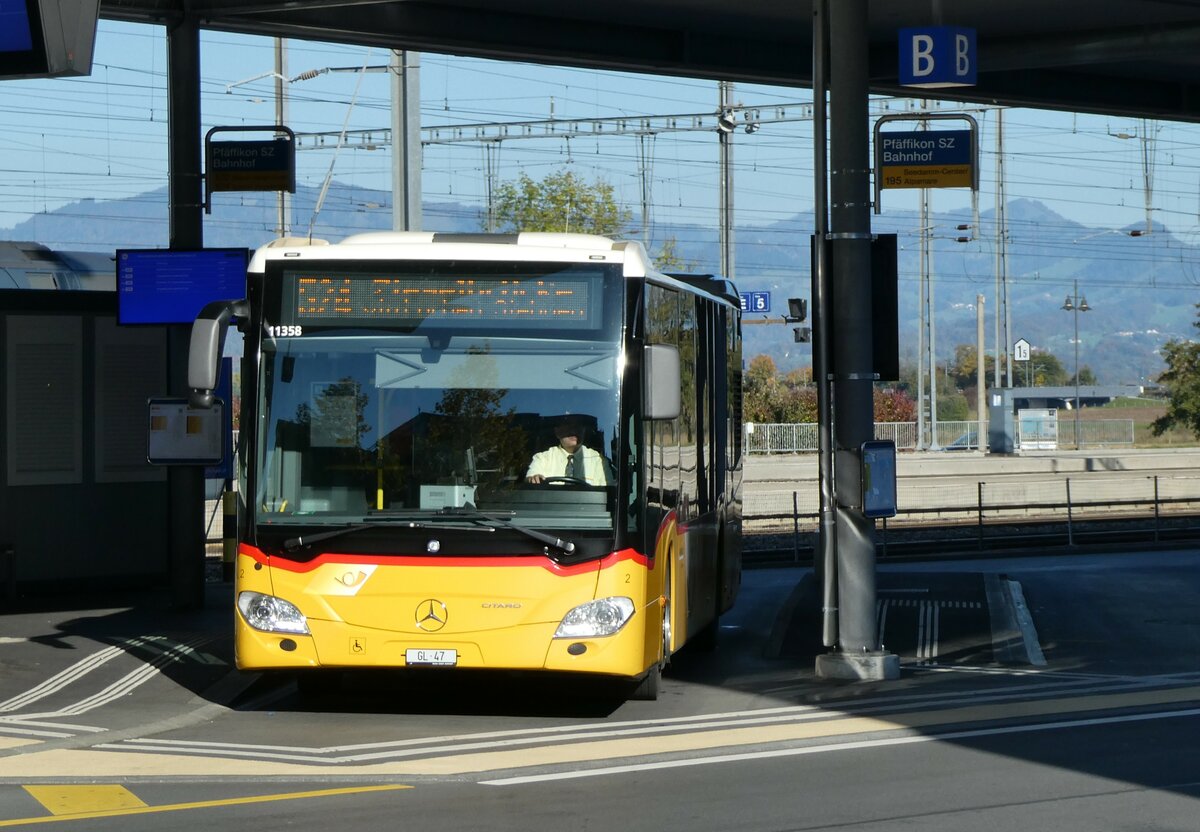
(1134, 286)
(237, 219)
(1137, 288)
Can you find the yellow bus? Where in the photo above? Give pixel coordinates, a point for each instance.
(510, 452)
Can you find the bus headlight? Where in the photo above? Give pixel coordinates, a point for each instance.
(271, 614)
(602, 617)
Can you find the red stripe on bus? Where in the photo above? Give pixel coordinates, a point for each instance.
(508, 562)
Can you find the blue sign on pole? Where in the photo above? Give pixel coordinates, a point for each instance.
(937, 56)
(925, 159)
(926, 147)
(252, 166)
(756, 301)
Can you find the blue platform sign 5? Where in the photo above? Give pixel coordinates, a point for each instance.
(937, 56)
(756, 301)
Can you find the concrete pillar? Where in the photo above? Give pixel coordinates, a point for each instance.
(406, 140)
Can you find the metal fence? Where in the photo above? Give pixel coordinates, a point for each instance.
(953, 435)
(1096, 433)
(981, 504)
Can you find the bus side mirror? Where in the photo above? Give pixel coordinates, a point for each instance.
(661, 394)
(206, 346)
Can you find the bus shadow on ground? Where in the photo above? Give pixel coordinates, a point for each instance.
(437, 692)
(192, 648)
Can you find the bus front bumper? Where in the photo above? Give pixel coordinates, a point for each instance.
(334, 644)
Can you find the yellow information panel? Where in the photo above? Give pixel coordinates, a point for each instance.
(922, 176)
(925, 159)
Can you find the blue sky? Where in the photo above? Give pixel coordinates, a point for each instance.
(105, 136)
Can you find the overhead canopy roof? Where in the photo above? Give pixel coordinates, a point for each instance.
(1138, 57)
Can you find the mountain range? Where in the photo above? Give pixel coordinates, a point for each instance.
(1141, 290)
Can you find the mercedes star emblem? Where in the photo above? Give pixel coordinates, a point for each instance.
(431, 615)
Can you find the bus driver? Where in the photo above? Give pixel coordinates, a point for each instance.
(570, 458)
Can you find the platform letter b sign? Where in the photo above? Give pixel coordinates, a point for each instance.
(923, 63)
(937, 56)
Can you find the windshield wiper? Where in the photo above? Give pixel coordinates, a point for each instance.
(410, 520)
(310, 539)
(475, 520)
(505, 522)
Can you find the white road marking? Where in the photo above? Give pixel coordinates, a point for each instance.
(117, 689)
(562, 735)
(843, 746)
(42, 724)
(61, 679)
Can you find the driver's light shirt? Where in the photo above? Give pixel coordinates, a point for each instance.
(552, 462)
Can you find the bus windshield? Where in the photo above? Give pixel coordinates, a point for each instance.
(359, 423)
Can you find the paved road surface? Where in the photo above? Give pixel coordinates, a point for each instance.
(1055, 693)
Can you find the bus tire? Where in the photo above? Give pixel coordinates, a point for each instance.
(646, 689)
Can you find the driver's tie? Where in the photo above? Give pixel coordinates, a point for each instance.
(571, 466)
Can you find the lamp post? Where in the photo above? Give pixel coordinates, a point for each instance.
(1076, 303)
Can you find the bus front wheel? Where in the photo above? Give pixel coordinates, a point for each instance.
(646, 689)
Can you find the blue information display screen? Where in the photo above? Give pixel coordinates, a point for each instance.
(16, 33)
(163, 286)
(22, 49)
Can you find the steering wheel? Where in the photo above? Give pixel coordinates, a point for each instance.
(563, 480)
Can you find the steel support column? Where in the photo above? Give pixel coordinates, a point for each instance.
(825, 561)
(858, 652)
(185, 483)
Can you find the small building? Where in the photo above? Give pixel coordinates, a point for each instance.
(1007, 404)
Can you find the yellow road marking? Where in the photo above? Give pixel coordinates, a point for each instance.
(118, 764)
(76, 800)
(733, 737)
(143, 809)
(16, 742)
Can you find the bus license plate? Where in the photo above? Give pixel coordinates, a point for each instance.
(440, 658)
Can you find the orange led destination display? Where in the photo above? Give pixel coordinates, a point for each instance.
(333, 299)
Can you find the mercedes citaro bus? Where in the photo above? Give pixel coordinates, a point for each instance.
(395, 389)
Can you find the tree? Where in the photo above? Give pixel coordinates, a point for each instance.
(1182, 381)
(560, 202)
(966, 362)
(668, 258)
(798, 405)
(1086, 376)
(771, 398)
(1043, 369)
(760, 391)
(892, 405)
(952, 407)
